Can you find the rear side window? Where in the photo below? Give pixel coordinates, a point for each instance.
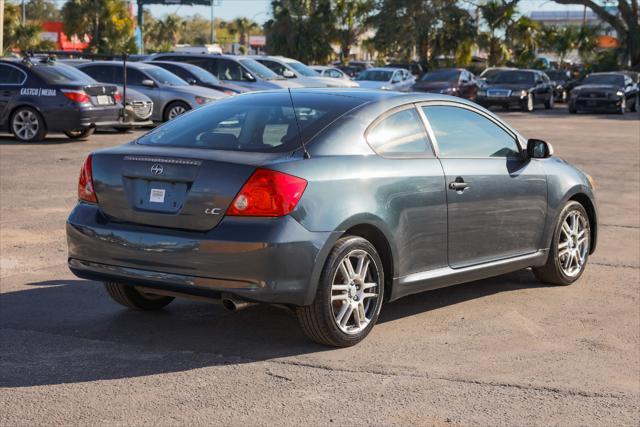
(54, 74)
(461, 133)
(10, 75)
(260, 122)
(100, 73)
(400, 134)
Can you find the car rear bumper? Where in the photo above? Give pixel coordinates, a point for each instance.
(259, 259)
(501, 101)
(80, 117)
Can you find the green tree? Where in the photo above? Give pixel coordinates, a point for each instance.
(243, 28)
(42, 10)
(497, 15)
(301, 29)
(522, 37)
(352, 21)
(107, 22)
(18, 36)
(625, 20)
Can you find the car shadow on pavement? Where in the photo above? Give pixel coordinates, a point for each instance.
(69, 331)
(49, 140)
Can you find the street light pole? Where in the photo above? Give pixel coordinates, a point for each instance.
(213, 29)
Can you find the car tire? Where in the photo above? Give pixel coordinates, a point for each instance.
(572, 109)
(131, 297)
(549, 104)
(121, 129)
(636, 104)
(175, 109)
(28, 125)
(570, 245)
(623, 107)
(80, 134)
(528, 105)
(344, 297)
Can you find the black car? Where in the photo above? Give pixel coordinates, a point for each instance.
(523, 89)
(198, 76)
(614, 92)
(414, 67)
(561, 80)
(40, 96)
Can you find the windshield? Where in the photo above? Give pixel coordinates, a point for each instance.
(259, 122)
(302, 69)
(165, 77)
(441, 76)
(375, 75)
(514, 77)
(557, 75)
(62, 74)
(259, 70)
(201, 74)
(604, 79)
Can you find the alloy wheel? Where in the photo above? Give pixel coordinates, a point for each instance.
(530, 102)
(354, 292)
(25, 125)
(573, 244)
(176, 111)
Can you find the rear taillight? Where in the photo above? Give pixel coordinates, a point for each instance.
(78, 96)
(85, 183)
(268, 193)
(117, 97)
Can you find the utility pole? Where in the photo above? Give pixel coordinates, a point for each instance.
(1, 27)
(213, 28)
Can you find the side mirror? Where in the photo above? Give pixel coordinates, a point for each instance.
(148, 83)
(538, 149)
(288, 74)
(192, 81)
(249, 77)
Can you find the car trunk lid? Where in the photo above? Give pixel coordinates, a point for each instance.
(165, 187)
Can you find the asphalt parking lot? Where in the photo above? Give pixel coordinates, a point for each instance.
(500, 351)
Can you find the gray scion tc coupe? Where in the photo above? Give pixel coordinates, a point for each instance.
(328, 201)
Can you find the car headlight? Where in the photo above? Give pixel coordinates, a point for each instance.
(448, 90)
(523, 94)
(385, 88)
(619, 93)
(203, 100)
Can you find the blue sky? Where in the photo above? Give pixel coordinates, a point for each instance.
(259, 10)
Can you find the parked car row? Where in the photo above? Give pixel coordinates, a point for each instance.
(162, 86)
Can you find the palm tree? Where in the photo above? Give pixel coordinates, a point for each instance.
(242, 27)
(523, 38)
(497, 14)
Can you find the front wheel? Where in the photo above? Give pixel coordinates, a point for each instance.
(80, 134)
(569, 249)
(175, 109)
(636, 103)
(133, 298)
(527, 105)
(349, 295)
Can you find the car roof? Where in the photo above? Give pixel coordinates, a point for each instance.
(386, 69)
(136, 65)
(197, 55)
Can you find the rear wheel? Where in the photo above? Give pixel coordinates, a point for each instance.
(572, 109)
(569, 249)
(27, 125)
(80, 133)
(636, 104)
(131, 297)
(349, 295)
(175, 109)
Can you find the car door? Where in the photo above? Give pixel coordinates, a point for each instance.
(11, 80)
(396, 81)
(414, 202)
(496, 200)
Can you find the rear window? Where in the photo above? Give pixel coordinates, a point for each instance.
(61, 74)
(260, 122)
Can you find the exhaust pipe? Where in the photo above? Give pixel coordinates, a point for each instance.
(233, 303)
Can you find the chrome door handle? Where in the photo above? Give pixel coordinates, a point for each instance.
(458, 184)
